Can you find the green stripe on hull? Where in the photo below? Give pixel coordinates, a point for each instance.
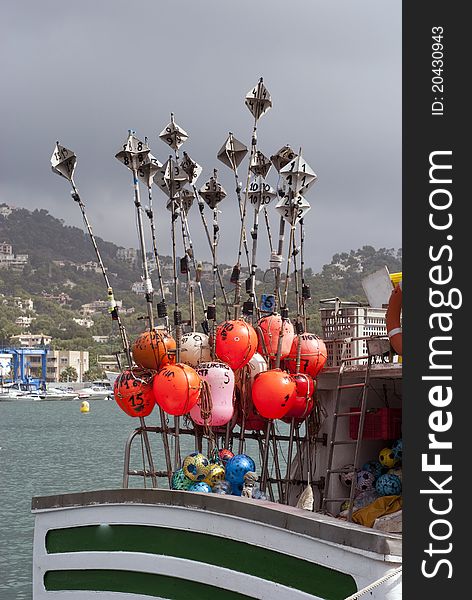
(133, 582)
(204, 548)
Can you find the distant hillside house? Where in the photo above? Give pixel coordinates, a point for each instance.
(129, 255)
(61, 298)
(30, 340)
(107, 362)
(24, 322)
(8, 260)
(21, 303)
(90, 266)
(87, 323)
(98, 306)
(100, 339)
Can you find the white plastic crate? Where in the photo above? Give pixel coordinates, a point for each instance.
(350, 322)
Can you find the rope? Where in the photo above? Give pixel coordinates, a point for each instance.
(374, 584)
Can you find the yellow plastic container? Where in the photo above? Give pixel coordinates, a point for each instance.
(396, 277)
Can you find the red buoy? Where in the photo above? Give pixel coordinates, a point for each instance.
(236, 343)
(268, 332)
(133, 392)
(153, 349)
(177, 389)
(273, 393)
(312, 357)
(304, 400)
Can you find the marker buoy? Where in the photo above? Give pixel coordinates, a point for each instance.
(153, 349)
(392, 318)
(236, 343)
(313, 355)
(84, 407)
(273, 393)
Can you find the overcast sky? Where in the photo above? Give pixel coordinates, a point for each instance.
(86, 72)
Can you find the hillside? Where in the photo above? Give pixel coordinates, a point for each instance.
(55, 279)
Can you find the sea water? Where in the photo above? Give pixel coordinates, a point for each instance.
(50, 447)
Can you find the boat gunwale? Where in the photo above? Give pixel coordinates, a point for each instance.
(292, 519)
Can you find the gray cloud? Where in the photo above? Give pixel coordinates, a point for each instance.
(86, 72)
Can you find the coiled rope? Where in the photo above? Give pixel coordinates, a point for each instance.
(375, 584)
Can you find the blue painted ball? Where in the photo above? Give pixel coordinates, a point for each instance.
(374, 467)
(200, 486)
(388, 485)
(237, 467)
(397, 449)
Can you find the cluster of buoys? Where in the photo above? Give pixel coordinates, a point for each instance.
(379, 477)
(223, 473)
(239, 386)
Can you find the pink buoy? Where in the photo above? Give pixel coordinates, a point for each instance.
(220, 379)
(303, 404)
(268, 332)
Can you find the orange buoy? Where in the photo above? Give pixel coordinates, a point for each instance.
(177, 388)
(273, 393)
(133, 392)
(313, 355)
(304, 401)
(392, 318)
(236, 343)
(268, 332)
(153, 349)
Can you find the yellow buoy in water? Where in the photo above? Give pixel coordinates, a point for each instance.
(84, 407)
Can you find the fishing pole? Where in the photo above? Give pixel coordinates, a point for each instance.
(213, 193)
(258, 101)
(63, 163)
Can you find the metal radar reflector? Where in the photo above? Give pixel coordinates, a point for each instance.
(260, 193)
(173, 135)
(170, 178)
(282, 157)
(63, 162)
(299, 175)
(191, 168)
(232, 152)
(258, 100)
(212, 192)
(260, 164)
(292, 209)
(134, 152)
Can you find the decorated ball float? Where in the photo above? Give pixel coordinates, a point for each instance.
(196, 466)
(133, 392)
(200, 486)
(313, 355)
(220, 380)
(236, 343)
(388, 485)
(153, 349)
(387, 458)
(236, 468)
(177, 388)
(180, 481)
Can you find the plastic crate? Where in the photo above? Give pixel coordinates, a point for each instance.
(379, 424)
(350, 322)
